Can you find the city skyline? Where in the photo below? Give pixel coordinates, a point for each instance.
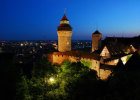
(38, 20)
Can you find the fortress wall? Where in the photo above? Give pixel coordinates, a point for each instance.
(104, 74)
(112, 62)
(95, 65)
(115, 61)
(72, 58)
(59, 59)
(49, 57)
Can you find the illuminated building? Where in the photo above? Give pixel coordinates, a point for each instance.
(103, 62)
(64, 31)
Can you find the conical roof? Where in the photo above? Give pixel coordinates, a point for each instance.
(96, 32)
(64, 18)
(64, 24)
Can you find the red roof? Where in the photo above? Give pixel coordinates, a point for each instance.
(64, 18)
(64, 27)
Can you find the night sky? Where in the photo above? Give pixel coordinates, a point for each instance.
(38, 19)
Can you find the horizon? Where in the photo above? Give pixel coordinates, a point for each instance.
(74, 39)
(38, 20)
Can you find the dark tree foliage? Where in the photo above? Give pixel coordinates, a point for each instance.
(8, 78)
(71, 81)
(74, 81)
(124, 84)
(22, 90)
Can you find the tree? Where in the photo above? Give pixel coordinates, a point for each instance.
(22, 90)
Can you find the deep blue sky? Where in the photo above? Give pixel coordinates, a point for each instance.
(38, 19)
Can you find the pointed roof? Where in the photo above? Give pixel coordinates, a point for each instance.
(96, 32)
(64, 18)
(64, 24)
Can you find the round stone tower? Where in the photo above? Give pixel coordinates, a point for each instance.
(96, 40)
(64, 32)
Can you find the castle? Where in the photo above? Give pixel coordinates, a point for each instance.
(102, 58)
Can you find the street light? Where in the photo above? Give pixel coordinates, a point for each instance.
(51, 79)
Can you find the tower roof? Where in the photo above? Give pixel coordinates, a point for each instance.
(64, 24)
(64, 18)
(96, 32)
(64, 27)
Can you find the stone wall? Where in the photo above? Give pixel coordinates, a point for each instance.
(95, 64)
(96, 41)
(64, 40)
(104, 74)
(112, 62)
(59, 59)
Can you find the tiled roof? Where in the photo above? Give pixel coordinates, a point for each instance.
(114, 50)
(124, 40)
(116, 57)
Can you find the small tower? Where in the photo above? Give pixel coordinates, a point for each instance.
(96, 40)
(64, 32)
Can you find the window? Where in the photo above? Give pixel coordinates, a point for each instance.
(67, 43)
